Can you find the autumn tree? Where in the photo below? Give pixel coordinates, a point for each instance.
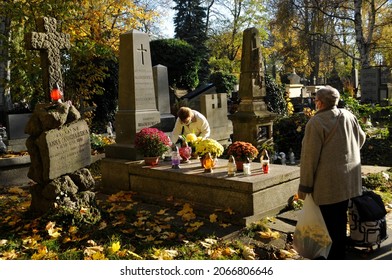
(94, 28)
(228, 19)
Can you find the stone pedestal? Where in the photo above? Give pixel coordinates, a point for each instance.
(249, 197)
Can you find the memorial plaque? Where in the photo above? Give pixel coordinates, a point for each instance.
(65, 150)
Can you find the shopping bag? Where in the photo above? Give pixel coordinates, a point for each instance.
(311, 238)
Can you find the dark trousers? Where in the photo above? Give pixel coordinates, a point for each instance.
(335, 217)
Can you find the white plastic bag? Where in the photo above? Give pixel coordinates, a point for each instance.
(311, 238)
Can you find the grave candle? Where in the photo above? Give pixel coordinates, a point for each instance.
(56, 93)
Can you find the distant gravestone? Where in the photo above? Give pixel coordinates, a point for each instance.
(49, 42)
(370, 83)
(294, 78)
(214, 107)
(136, 101)
(162, 96)
(252, 115)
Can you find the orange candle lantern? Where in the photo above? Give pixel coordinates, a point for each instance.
(56, 93)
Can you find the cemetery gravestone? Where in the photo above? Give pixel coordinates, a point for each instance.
(162, 96)
(136, 101)
(59, 141)
(370, 83)
(252, 111)
(214, 107)
(59, 148)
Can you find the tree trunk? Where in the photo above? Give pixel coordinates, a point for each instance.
(5, 95)
(363, 44)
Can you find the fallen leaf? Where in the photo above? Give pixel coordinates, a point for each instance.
(115, 246)
(213, 218)
(248, 253)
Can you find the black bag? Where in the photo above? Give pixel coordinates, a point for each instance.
(370, 206)
(367, 220)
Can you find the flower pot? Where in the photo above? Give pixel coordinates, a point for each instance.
(151, 161)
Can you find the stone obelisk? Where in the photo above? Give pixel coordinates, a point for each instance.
(252, 122)
(136, 100)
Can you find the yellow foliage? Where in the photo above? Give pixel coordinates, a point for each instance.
(9, 255)
(162, 254)
(115, 246)
(187, 212)
(213, 218)
(248, 253)
(269, 234)
(52, 230)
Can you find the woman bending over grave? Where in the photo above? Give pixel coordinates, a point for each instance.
(190, 121)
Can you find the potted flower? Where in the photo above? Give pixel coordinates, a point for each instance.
(241, 151)
(208, 146)
(152, 143)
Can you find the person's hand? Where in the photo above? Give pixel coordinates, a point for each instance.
(301, 195)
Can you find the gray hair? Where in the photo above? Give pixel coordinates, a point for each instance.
(329, 96)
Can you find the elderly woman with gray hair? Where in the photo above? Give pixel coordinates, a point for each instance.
(331, 164)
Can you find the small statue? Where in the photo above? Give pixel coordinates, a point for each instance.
(109, 129)
(282, 157)
(291, 156)
(3, 147)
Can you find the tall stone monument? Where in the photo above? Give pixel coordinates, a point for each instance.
(136, 100)
(49, 42)
(252, 122)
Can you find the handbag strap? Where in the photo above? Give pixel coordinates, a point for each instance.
(332, 132)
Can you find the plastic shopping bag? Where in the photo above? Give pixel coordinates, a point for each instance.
(311, 238)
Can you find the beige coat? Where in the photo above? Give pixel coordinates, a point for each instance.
(331, 170)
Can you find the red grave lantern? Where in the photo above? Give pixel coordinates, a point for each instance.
(56, 94)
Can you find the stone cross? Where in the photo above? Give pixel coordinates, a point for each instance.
(49, 42)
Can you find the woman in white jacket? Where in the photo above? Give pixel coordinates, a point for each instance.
(190, 121)
(331, 164)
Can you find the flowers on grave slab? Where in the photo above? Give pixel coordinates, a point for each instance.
(241, 150)
(208, 145)
(98, 142)
(152, 142)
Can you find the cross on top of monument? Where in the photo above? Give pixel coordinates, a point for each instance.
(49, 42)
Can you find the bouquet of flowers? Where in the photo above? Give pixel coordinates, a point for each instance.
(242, 150)
(208, 145)
(152, 142)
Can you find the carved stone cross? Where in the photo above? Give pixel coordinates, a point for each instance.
(142, 51)
(49, 42)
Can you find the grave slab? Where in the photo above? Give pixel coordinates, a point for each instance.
(249, 197)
